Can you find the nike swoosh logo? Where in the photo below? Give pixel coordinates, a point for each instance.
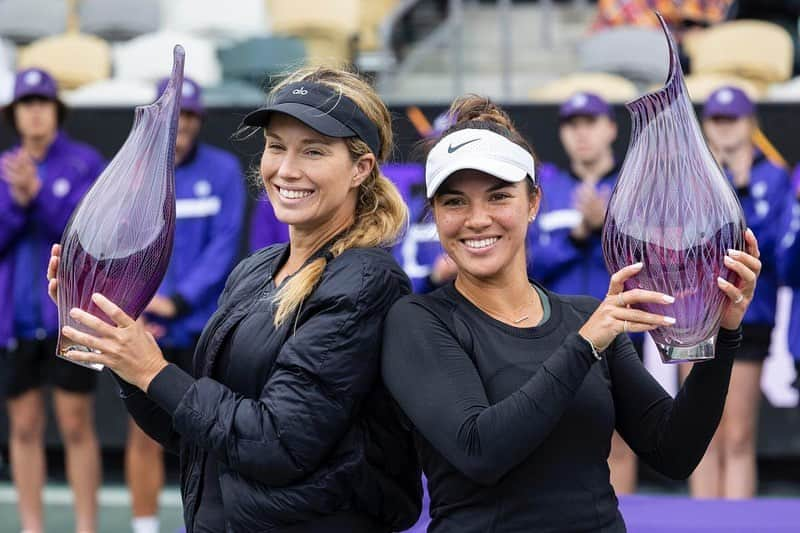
(451, 148)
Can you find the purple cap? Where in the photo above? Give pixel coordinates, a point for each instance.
(728, 102)
(584, 104)
(191, 96)
(35, 82)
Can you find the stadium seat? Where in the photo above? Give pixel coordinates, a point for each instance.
(328, 28)
(111, 93)
(74, 59)
(119, 19)
(149, 58)
(784, 92)
(233, 93)
(610, 86)
(757, 50)
(24, 21)
(700, 86)
(373, 13)
(212, 19)
(256, 60)
(639, 54)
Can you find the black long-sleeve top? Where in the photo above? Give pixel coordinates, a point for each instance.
(513, 425)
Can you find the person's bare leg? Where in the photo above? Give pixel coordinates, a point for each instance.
(26, 415)
(75, 414)
(706, 480)
(144, 471)
(740, 478)
(623, 465)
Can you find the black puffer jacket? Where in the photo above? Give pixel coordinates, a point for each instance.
(300, 424)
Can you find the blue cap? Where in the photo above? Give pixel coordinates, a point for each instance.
(584, 104)
(35, 82)
(191, 95)
(728, 102)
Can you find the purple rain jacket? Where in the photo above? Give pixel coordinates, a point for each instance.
(72, 167)
(209, 200)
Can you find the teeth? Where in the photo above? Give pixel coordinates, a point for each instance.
(482, 243)
(286, 193)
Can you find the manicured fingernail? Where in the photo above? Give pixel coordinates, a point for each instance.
(729, 260)
(73, 312)
(750, 232)
(669, 320)
(637, 265)
(734, 253)
(669, 299)
(722, 280)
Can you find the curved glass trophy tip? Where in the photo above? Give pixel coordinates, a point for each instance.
(687, 354)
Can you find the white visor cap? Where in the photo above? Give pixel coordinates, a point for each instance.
(481, 150)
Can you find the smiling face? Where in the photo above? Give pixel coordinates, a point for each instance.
(311, 179)
(482, 222)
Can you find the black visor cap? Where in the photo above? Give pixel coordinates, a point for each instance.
(322, 109)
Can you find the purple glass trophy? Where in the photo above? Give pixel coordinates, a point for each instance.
(119, 239)
(674, 210)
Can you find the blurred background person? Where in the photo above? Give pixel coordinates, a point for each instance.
(44, 177)
(789, 266)
(419, 252)
(210, 200)
(565, 239)
(728, 469)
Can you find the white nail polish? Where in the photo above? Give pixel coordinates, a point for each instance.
(669, 299)
(722, 280)
(733, 253)
(669, 320)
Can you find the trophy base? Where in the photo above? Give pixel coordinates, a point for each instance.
(687, 354)
(78, 348)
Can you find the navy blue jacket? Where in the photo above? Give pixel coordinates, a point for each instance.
(210, 201)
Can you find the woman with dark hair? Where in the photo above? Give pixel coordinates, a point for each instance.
(514, 391)
(284, 425)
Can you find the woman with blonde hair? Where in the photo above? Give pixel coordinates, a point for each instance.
(283, 425)
(514, 391)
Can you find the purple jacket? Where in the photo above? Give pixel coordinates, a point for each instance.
(789, 269)
(265, 229)
(556, 260)
(71, 168)
(419, 247)
(209, 200)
